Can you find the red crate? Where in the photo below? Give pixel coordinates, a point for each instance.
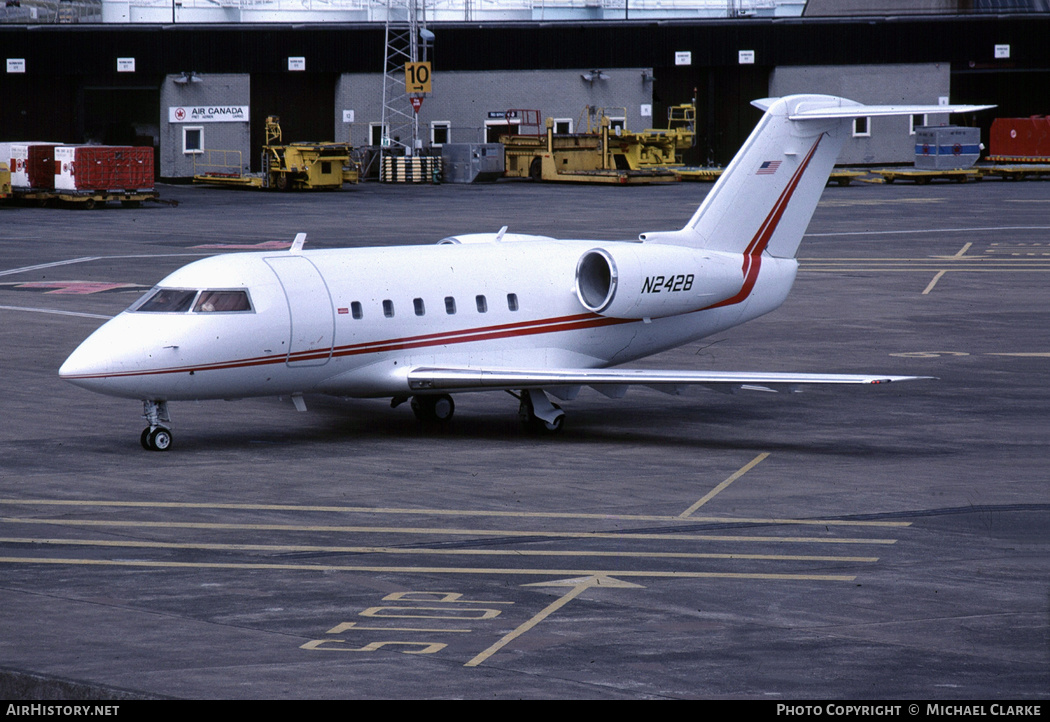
(40, 167)
(1021, 137)
(103, 168)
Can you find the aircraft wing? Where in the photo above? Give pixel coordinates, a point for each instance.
(614, 382)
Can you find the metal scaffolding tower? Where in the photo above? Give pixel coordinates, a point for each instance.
(404, 21)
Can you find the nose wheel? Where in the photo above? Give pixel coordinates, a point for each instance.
(156, 436)
(158, 439)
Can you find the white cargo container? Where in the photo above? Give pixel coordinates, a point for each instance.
(947, 147)
(16, 155)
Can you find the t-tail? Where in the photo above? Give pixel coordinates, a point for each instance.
(764, 200)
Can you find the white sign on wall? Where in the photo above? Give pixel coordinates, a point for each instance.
(647, 110)
(348, 116)
(125, 65)
(746, 57)
(208, 114)
(297, 63)
(1002, 51)
(683, 57)
(16, 65)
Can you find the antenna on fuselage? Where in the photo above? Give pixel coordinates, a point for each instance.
(297, 244)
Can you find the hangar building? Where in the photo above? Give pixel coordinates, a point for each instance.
(183, 87)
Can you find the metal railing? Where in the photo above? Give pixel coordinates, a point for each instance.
(219, 163)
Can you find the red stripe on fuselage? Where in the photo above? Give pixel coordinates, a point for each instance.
(484, 333)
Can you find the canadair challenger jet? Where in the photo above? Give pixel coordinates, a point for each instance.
(532, 315)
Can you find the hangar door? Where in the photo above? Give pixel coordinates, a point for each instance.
(305, 103)
(724, 114)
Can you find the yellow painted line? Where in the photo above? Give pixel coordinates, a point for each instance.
(543, 614)
(433, 531)
(842, 203)
(1041, 354)
(940, 274)
(372, 569)
(932, 283)
(721, 487)
(439, 512)
(286, 548)
(353, 626)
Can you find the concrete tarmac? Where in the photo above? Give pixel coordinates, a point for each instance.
(843, 543)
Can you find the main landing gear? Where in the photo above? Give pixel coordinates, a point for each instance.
(156, 436)
(433, 409)
(538, 414)
(535, 410)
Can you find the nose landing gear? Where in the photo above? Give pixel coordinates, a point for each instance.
(156, 436)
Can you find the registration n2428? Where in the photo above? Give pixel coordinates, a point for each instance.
(668, 284)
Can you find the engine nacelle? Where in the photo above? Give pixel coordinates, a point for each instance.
(654, 280)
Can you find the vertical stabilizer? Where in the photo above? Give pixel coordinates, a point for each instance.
(765, 198)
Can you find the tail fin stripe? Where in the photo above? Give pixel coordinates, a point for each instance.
(753, 254)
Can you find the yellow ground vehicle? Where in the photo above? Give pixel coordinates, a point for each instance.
(5, 181)
(295, 166)
(657, 147)
(579, 157)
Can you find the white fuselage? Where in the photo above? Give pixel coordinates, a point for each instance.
(353, 322)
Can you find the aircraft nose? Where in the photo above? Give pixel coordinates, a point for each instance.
(96, 359)
(84, 364)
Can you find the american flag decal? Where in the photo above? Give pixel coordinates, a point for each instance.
(769, 167)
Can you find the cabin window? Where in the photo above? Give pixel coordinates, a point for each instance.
(483, 305)
(388, 308)
(450, 305)
(356, 311)
(222, 302)
(166, 300)
(417, 304)
(512, 301)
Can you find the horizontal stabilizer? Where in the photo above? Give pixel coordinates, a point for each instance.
(861, 111)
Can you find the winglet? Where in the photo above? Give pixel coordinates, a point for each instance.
(297, 244)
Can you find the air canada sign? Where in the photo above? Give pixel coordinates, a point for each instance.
(208, 114)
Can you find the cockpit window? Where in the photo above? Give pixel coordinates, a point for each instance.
(179, 300)
(222, 302)
(166, 300)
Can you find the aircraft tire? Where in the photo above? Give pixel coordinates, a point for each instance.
(144, 439)
(535, 424)
(553, 427)
(160, 439)
(433, 409)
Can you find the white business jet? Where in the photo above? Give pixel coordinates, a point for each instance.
(532, 315)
